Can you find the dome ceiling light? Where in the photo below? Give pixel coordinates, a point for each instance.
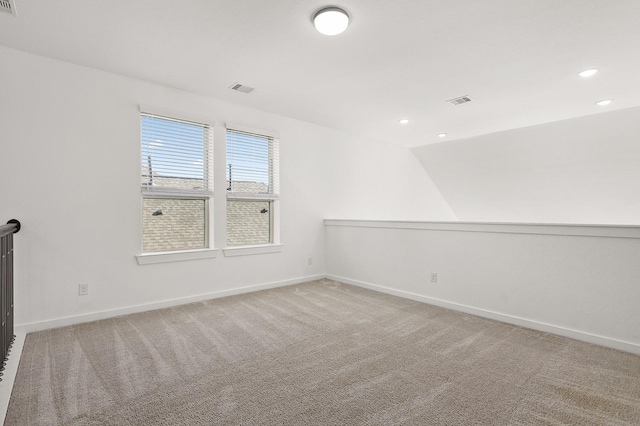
(331, 20)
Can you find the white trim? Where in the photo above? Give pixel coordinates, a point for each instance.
(10, 371)
(178, 115)
(251, 196)
(510, 319)
(242, 128)
(175, 256)
(100, 315)
(610, 231)
(275, 222)
(251, 250)
(166, 192)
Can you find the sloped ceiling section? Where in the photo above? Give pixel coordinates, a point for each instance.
(584, 170)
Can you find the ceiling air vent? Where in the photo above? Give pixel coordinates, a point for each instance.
(239, 87)
(460, 100)
(8, 6)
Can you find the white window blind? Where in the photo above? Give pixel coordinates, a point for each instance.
(252, 165)
(176, 156)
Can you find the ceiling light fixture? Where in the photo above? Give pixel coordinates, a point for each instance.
(331, 20)
(404, 121)
(588, 73)
(604, 102)
(442, 135)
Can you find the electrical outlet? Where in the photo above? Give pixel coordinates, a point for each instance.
(83, 289)
(309, 261)
(434, 277)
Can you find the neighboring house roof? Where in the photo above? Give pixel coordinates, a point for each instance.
(182, 222)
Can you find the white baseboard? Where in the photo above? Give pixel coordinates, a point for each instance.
(94, 316)
(633, 348)
(9, 376)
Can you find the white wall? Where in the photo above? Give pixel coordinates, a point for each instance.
(585, 287)
(379, 181)
(583, 170)
(69, 170)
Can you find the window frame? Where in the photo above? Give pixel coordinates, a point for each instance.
(274, 244)
(146, 257)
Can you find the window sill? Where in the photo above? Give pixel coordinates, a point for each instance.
(175, 256)
(250, 250)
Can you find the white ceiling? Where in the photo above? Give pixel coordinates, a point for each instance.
(517, 59)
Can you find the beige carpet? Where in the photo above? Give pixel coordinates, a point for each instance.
(320, 353)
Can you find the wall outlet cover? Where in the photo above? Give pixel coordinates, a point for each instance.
(83, 289)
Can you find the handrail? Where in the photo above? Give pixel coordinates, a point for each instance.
(6, 290)
(12, 227)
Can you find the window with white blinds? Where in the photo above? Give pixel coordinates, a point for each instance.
(252, 165)
(176, 183)
(176, 156)
(252, 188)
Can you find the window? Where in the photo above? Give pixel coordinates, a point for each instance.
(175, 183)
(252, 188)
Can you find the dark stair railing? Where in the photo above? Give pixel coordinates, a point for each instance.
(6, 289)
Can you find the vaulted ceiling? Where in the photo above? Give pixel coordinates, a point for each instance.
(517, 60)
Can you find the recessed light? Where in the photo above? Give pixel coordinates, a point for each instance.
(331, 20)
(442, 135)
(604, 102)
(588, 73)
(404, 121)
